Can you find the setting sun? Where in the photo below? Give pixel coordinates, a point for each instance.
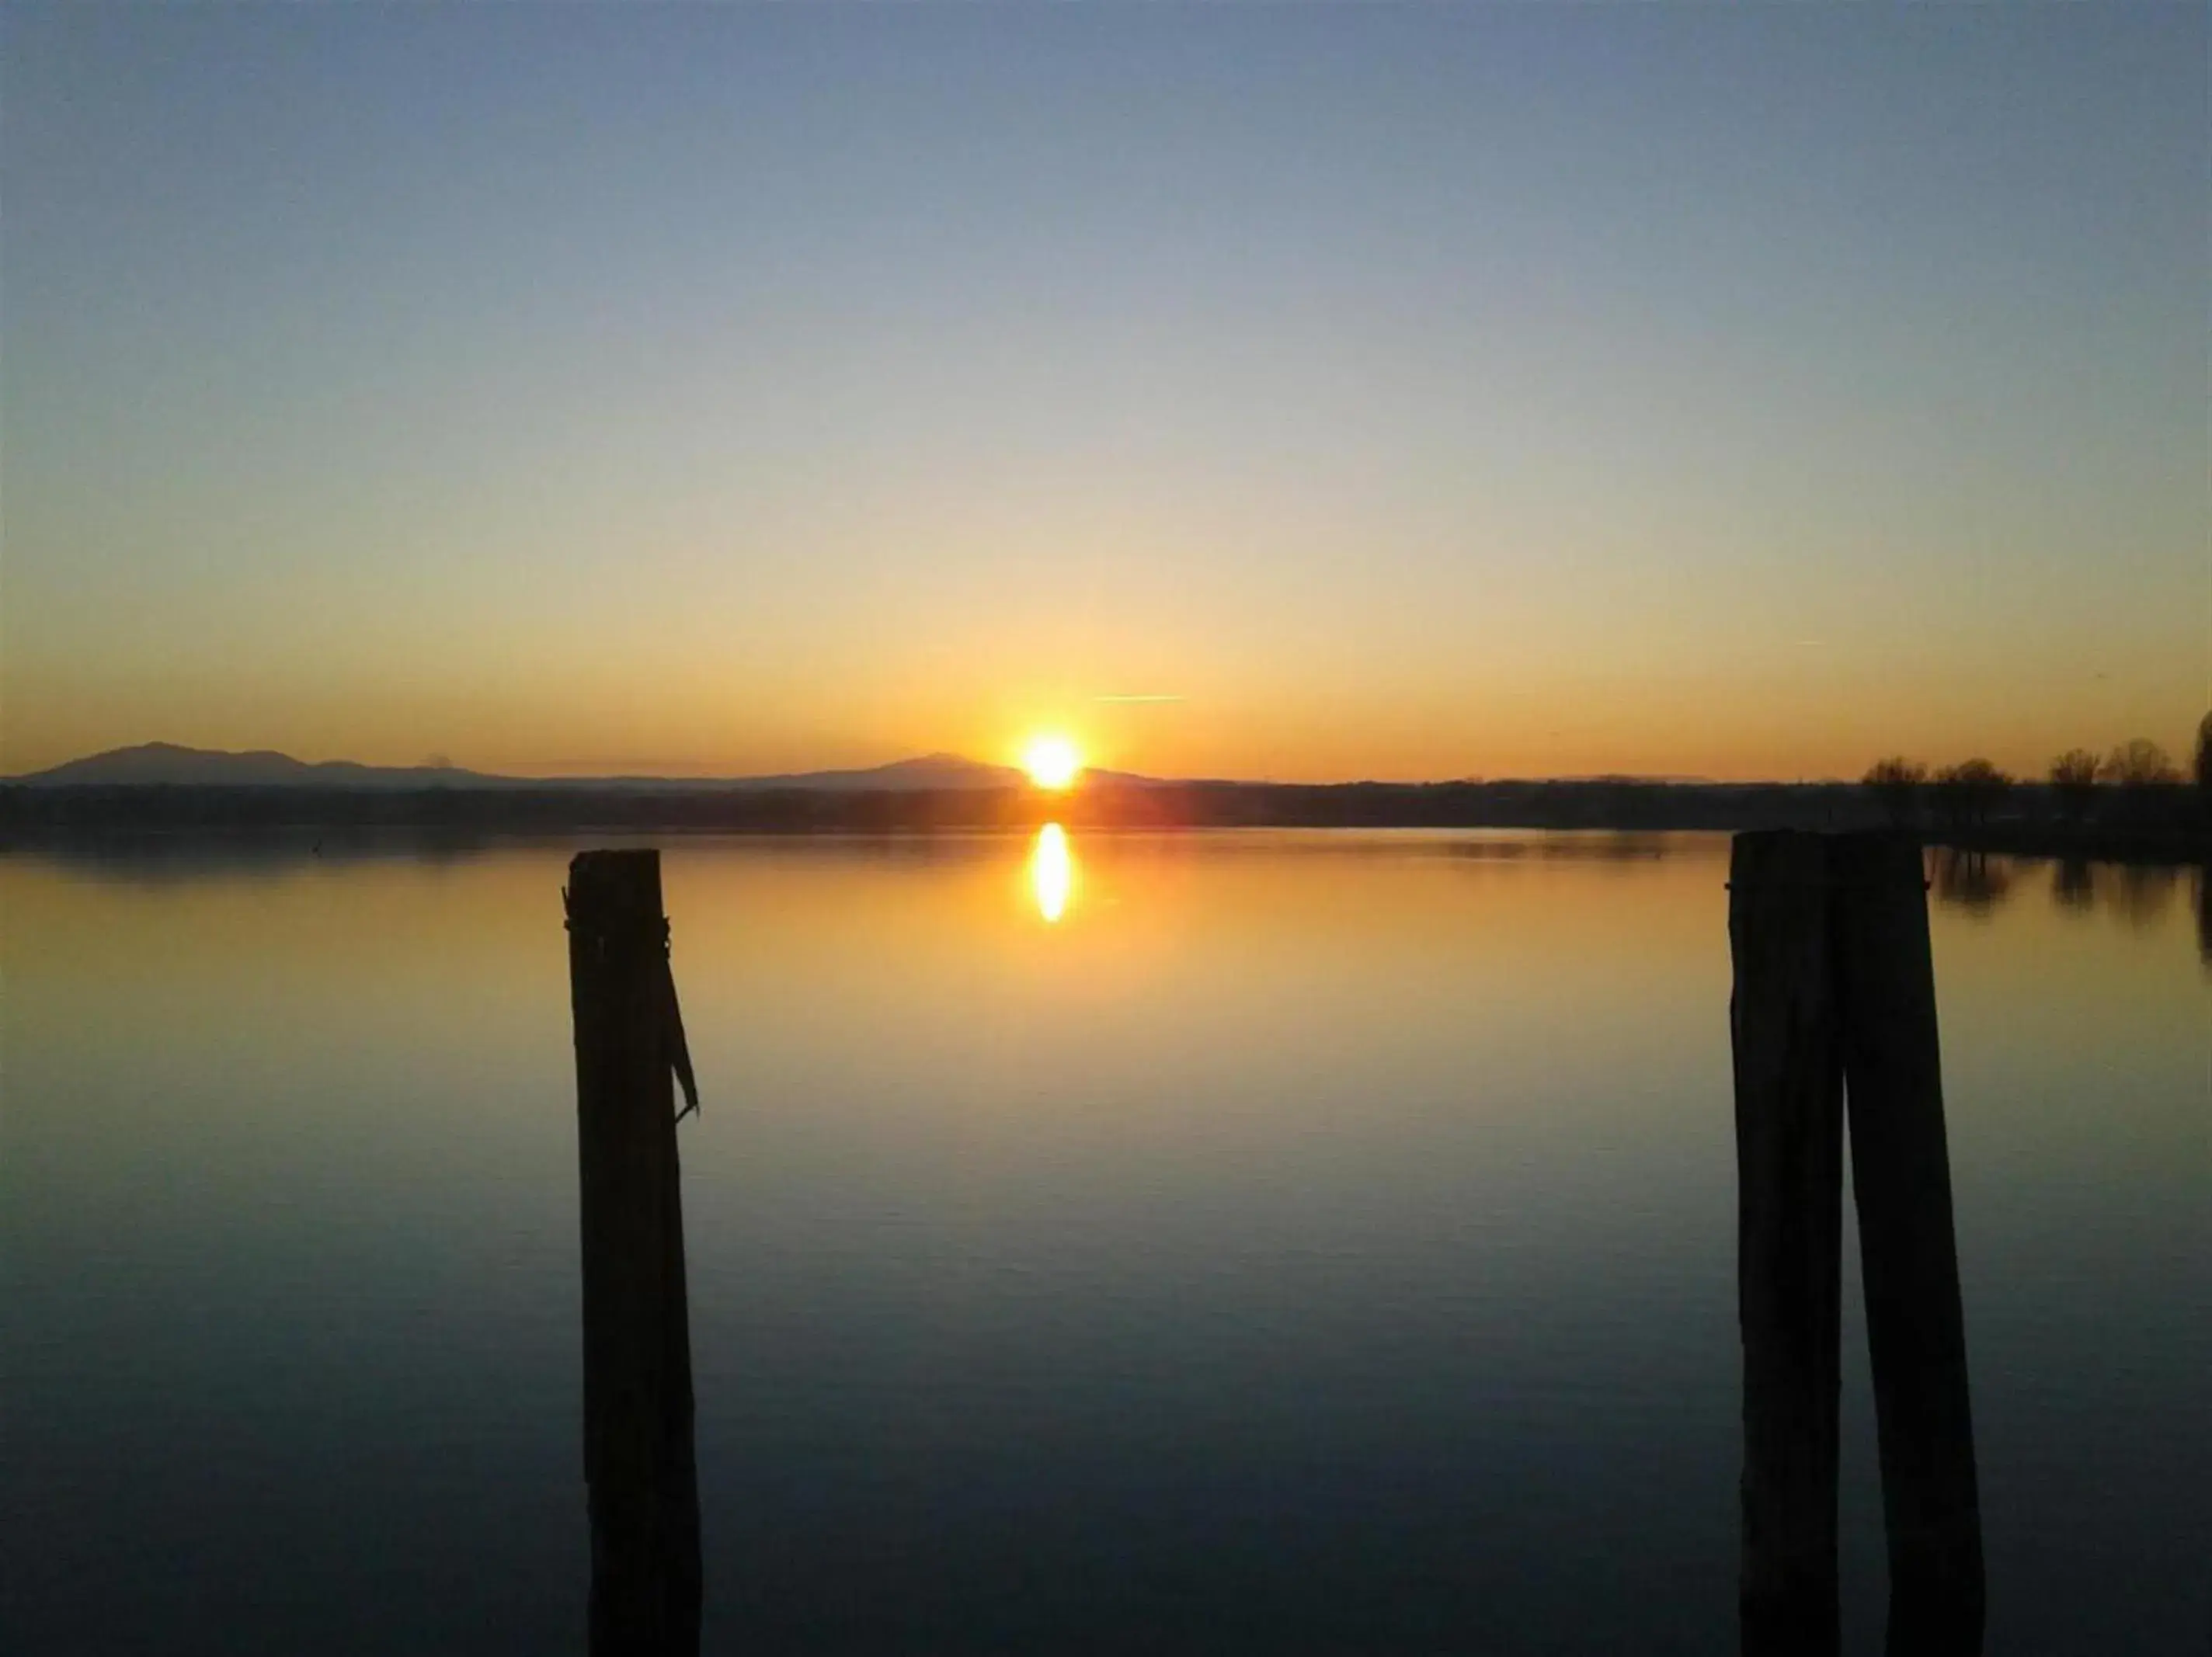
(1052, 761)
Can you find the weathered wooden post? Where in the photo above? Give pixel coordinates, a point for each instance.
(1884, 984)
(1789, 1125)
(1835, 1002)
(638, 1456)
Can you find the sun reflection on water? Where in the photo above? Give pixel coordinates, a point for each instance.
(1052, 871)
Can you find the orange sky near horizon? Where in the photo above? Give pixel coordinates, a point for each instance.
(1309, 394)
(1681, 728)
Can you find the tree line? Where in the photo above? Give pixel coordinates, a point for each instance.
(1968, 793)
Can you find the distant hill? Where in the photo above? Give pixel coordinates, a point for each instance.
(930, 771)
(168, 764)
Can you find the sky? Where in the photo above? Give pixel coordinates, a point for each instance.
(1307, 391)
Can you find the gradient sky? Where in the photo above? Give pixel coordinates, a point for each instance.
(1397, 391)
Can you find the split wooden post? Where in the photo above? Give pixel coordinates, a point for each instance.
(638, 1452)
(1835, 1001)
(1789, 1123)
(1908, 1251)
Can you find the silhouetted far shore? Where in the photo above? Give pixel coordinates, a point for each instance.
(2159, 823)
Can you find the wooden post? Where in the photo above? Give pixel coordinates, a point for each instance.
(1788, 1129)
(1901, 1181)
(638, 1456)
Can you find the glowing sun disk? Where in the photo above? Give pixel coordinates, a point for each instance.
(1052, 761)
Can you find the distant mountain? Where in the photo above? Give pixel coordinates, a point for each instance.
(161, 763)
(929, 771)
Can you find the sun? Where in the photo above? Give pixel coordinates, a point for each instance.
(1053, 761)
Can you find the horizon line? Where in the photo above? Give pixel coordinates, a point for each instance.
(943, 757)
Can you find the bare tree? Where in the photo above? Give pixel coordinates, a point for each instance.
(1896, 783)
(2074, 781)
(1970, 791)
(2138, 763)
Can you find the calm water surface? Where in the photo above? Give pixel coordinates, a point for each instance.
(1283, 1243)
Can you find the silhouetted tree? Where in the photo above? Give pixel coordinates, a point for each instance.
(1970, 792)
(2074, 782)
(2139, 763)
(1896, 783)
(2202, 767)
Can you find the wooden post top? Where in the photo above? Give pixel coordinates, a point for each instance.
(1879, 858)
(615, 883)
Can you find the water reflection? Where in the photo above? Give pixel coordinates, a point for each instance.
(2074, 886)
(1972, 881)
(2141, 895)
(1002, 1344)
(1052, 871)
(2143, 892)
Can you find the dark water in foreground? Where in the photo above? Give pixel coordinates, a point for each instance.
(1275, 1243)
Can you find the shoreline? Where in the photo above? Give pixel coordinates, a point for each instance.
(2168, 826)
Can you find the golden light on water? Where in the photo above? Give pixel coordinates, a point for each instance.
(1052, 871)
(1053, 761)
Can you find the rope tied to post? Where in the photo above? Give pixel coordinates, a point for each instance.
(647, 939)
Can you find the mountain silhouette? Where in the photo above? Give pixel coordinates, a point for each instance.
(925, 771)
(169, 764)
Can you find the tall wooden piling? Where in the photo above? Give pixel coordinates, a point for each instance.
(638, 1453)
(1789, 1120)
(1885, 985)
(1835, 1004)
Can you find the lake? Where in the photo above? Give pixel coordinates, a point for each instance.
(1271, 1242)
